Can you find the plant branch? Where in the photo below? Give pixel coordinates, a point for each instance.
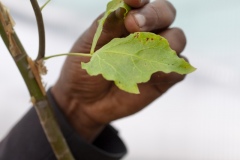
(41, 30)
(31, 76)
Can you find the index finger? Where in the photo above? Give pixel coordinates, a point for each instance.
(136, 3)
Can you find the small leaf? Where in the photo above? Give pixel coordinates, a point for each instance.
(112, 6)
(132, 60)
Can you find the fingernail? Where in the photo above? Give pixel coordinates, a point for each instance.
(140, 19)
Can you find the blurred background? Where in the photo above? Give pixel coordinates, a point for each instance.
(198, 119)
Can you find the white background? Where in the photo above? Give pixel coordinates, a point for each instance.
(198, 119)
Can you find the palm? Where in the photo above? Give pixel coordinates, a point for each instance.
(99, 97)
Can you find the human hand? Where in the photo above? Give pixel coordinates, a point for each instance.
(90, 103)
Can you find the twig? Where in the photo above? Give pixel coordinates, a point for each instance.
(41, 30)
(30, 74)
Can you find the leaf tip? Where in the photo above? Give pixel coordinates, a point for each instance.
(191, 69)
(130, 88)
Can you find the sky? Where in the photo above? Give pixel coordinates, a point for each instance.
(198, 119)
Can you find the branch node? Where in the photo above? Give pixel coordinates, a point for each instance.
(41, 67)
(36, 74)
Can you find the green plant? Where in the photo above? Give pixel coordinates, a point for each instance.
(139, 56)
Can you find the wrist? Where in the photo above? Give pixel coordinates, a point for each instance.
(87, 128)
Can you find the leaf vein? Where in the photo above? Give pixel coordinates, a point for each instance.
(101, 59)
(131, 55)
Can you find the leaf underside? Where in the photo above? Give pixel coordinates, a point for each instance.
(132, 60)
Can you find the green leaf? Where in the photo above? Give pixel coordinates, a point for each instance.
(112, 6)
(132, 60)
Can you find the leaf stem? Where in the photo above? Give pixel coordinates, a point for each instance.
(68, 54)
(98, 33)
(45, 4)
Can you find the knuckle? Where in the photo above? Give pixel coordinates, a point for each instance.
(164, 12)
(171, 8)
(176, 38)
(169, 12)
(181, 36)
(181, 39)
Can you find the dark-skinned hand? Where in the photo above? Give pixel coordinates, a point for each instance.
(90, 103)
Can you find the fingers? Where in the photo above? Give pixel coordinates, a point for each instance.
(153, 16)
(157, 15)
(164, 81)
(124, 104)
(176, 39)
